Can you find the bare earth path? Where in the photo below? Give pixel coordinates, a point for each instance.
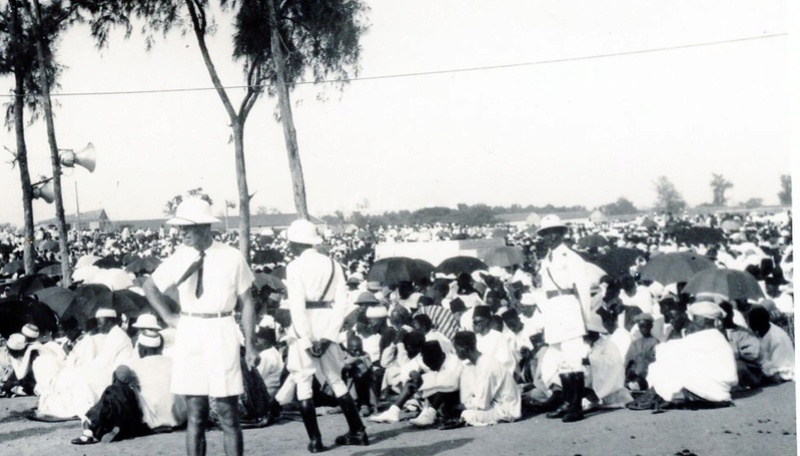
(762, 424)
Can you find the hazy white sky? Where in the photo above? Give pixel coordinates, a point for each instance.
(578, 132)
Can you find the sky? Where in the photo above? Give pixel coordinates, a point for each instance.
(592, 101)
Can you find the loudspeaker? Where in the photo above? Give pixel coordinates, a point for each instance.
(45, 192)
(85, 157)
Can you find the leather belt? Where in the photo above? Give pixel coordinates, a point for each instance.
(207, 315)
(553, 293)
(319, 305)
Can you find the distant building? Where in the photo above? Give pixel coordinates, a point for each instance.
(90, 220)
(230, 223)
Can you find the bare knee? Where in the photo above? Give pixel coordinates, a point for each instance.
(228, 412)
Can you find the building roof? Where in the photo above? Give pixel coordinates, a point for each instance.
(256, 221)
(98, 215)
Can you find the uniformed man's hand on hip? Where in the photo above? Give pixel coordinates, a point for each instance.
(251, 358)
(323, 345)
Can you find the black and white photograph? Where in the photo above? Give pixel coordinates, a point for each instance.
(393, 228)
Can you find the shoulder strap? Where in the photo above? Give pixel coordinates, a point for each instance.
(330, 281)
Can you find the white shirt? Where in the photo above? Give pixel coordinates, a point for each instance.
(306, 278)
(226, 275)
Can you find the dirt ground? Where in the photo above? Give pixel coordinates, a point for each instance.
(764, 423)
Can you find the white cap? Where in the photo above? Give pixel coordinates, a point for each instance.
(377, 312)
(151, 341)
(30, 331)
(193, 211)
(302, 231)
(705, 309)
(105, 312)
(146, 321)
(16, 341)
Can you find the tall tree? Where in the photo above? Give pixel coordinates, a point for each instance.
(28, 33)
(785, 194)
(668, 199)
(161, 16)
(287, 39)
(14, 59)
(719, 185)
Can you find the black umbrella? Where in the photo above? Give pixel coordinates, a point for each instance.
(263, 279)
(675, 267)
(16, 312)
(52, 270)
(57, 298)
(592, 241)
(617, 262)
(13, 267)
(458, 264)
(123, 301)
(393, 270)
(696, 235)
(109, 262)
(729, 284)
(27, 285)
(267, 256)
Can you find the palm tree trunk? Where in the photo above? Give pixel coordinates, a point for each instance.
(289, 133)
(22, 151)
(54, 158)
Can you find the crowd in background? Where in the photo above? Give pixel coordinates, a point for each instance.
(428, 348)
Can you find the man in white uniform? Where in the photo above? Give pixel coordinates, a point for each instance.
(210, 278)
(318, 302)
(567, 287)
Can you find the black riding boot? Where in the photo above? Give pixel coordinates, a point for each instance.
(357, 434)
(566, 386)
(575, 398)
(309, 414)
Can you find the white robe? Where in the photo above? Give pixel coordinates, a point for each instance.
(494, 344)
(489, 393)
(702, 362)
(778, 353)
(159, 406)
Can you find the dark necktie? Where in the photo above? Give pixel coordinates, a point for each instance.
(196, 266)
(198, 291)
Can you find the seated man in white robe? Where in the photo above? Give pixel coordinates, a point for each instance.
(436, 380)
(605, 373)
(777, 349)
(139, 401)
(698, 369)
(490, 341)
(488, 392)
(77, 387)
